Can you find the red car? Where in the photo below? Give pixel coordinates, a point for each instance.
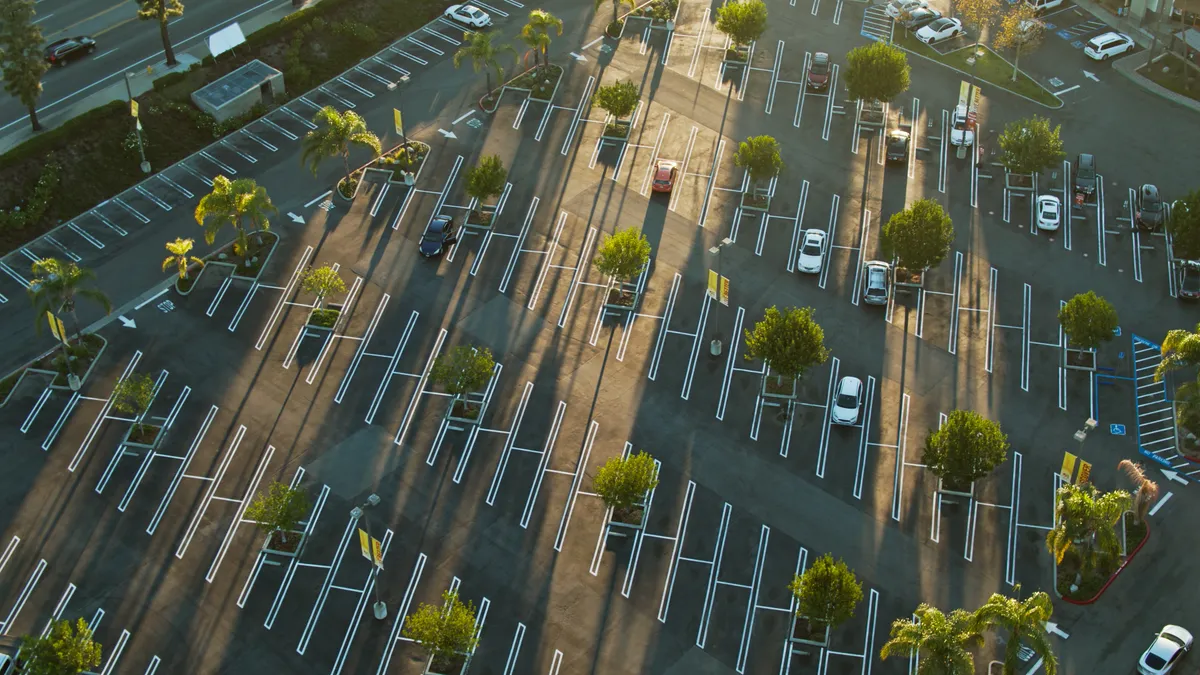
(664, 175)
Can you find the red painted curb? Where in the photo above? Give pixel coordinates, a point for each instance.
(1113, 578)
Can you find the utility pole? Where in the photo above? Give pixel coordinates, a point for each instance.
(380, 607)
(137, 123)
(716, 345)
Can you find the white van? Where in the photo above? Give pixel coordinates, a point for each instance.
(1041, 6)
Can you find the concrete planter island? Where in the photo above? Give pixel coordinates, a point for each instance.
(144, 436)
(1074, 358)
(759, 200)
(800, 633)
(622, 297)
(452, 668)
(633, 519)
(461, 408)
(943, 490)
(775, 387)
(906, 278)
(323, 319)
(290, 549)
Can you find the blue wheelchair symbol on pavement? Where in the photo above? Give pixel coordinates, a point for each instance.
(1064, 34)
(1116, 429)
(1117, 331)
(1047, 25)
(1077, 44)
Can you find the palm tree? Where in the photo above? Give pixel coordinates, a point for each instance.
(1147, 490)
(180, 257)
(54, 288)
(943, 641)
(162, 10)
(483, 53)
(536, 33)
(1179, 349)
(1084, 515)
(338, 132)
(1024, 622)
(232, 203)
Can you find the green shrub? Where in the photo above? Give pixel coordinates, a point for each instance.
(170, 79)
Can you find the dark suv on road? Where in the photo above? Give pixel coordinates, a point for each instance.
(1150, 212)
(1085, 174)
(68, 49)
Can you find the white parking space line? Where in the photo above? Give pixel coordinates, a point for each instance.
(100, 417)
(577, 479)
(19, 604)
(209, 494)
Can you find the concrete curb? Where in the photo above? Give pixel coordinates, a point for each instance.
(1010, 91)
(1128, 67)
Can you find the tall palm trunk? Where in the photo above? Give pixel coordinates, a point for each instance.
(166, 35)
(346, 163)
(33, 118)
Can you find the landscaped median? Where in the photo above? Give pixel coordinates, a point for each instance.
(95, 156)
(989, 67)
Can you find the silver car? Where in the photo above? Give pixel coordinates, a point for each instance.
(875, 282)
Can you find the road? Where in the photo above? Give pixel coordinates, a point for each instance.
(123, 43)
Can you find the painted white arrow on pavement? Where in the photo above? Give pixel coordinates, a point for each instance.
(128, 323)
(1091, 76)
(578, 57)
(295, 218)
(1052, 627)
(447, 134)
(1172, 475)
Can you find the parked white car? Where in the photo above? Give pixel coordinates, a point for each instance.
(468, 14)
(1104, 47)
(875, 282)
(812, 251)
(1168, 648)
(1049, 213)
(847, 400)
(942, 29)
(898, 8)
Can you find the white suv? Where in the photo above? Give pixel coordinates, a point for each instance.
(1104, 47)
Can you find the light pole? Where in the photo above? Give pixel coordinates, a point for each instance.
(1082, 434)
(380, 607)
(714, 347)
(137, 125)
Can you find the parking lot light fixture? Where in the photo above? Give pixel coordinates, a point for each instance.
(359, 512)
(1082, 434)
(716, 345)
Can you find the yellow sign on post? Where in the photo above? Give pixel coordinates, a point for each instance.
(133, 107)
(399, 121)
(1068, 467)
(712, 283)
(56, 326)
(1085, 472)
(364, 542)
(377, 552)
(725, 291)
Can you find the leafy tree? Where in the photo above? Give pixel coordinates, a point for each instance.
(876, 72)
(742, 20)
(790, 343)
(463, 370)
(919, 236)
(162, 10)
(944, 641)
(278, 509)
(1088, 320)
(323, 282)
(21, 59)
(1030, 145)
(1184, 226)
(64, 650)
(826, 593)
(1024, 624)
(1082, 513)
(56, 285)
(977, 14)
(484, 56)
(965, 448)
(1020, 31)
(624, 481)
(1187, 406)
(233, 203)
(1147, 490)
(536, 34)
(486, 180)
(133, 396)
(443, 631)
(181, 256)
(623, 255)
(617, 99)
(1180, 349)
(759, 156)
(336, 133)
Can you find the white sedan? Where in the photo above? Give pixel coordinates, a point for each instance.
(468, 14)
(1169, 646)
(847, 401)
(812, 251)
(1049, 213)
(942, 29)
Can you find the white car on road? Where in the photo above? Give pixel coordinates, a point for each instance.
(1104, 47)
(812, 251)
(1168, 648)
(1049, 213)
(942, 29)
(847, 400)
(468, 14)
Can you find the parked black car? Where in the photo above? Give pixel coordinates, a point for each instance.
(897, 146)
(1085, 174)
(1189, 280)
(439, 235)
(1150, 213)
(68, 49)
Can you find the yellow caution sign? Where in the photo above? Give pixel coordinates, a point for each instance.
(1085, 472)
(712, 284)
(1068, 467)
(56, 326)
(133, 108)
(725, 291)
(364, 542)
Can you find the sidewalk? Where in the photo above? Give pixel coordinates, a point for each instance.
(141, 82)
(1128, 65)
